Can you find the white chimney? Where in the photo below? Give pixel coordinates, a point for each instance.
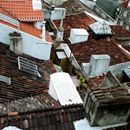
(60, 34)
(36, 4)
(62, 88)
(43, 30)
(16, 42)
(99, 64)
(78, 35)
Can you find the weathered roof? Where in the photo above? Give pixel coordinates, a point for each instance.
(83, 51)
(72, 7)
(21, 10)
(127, 47)
(33, 103)
(120, 32)
(110, 96)
(22, 84)
(49, 119)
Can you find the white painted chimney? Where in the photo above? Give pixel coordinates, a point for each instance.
(36, 4)
(78, 35)
(60, 34)
(99, 64)
(44, 30)
(16, 42)
(62, 89)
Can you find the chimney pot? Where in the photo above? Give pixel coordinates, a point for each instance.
(43, 30)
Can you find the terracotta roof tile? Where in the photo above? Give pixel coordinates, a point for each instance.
(127, 47)
(22, 84)
(33, 103)
(110, 96)
(21, 10)
(72, 7)
(49, 119)
(83, 51)
(119, 31)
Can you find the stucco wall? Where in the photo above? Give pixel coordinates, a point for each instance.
(32, 46)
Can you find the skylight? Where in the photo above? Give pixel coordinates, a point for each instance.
(28, 66)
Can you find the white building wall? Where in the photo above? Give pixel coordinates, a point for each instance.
(38, 25)
(52, 91)
(32, 46)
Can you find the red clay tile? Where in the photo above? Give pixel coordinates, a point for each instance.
(21, 10)
(22, 84)
(83, 51)
(119, 31)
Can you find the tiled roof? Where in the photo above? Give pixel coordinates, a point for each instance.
(26, 25)
(22, 84)
(119, 31)
(80, 20)
(96, 81)
(83, 51)
(21, 10)
(52, 119)
(110, 96)
(30, 29)
(72, 7)
(127, 47)
(34, 103)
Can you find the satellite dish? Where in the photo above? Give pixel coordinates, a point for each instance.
(11, 128)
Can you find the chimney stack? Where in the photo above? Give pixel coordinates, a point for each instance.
(16, 42)
(43, 30)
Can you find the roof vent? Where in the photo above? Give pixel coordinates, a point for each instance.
(101, 28)
(15, 42)
(78, 35)
(28, 66)
(37, 5)
(5, 79)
